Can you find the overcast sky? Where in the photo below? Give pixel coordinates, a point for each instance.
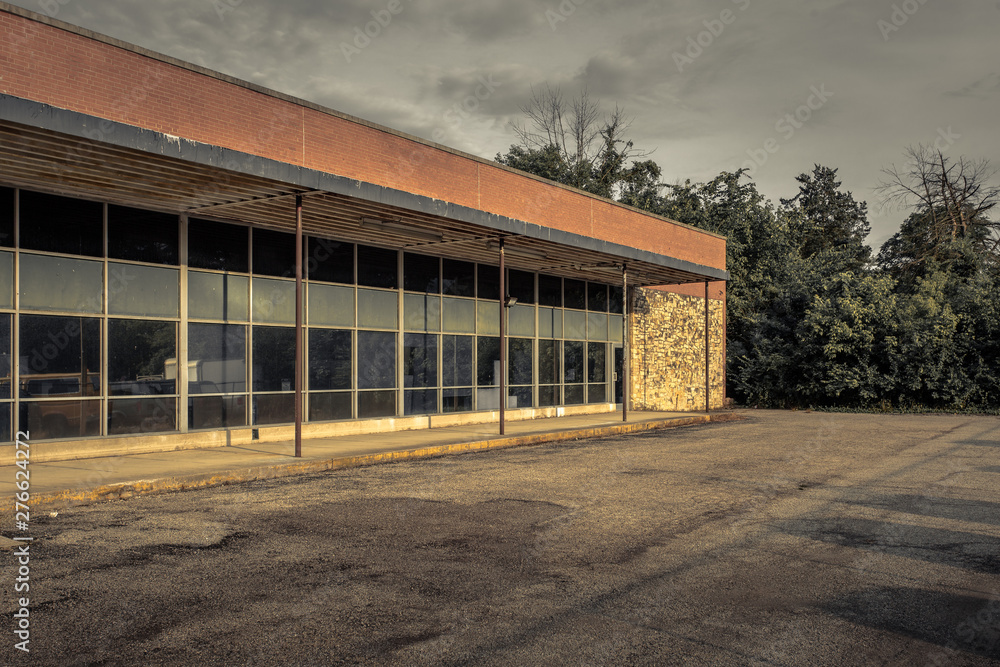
(709, 84)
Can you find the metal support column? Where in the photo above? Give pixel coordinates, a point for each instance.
(725, 336)
(708, 392)
(503, 339)
(626, 369)
(298, 326)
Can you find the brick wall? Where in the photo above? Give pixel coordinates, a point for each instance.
(667, 340)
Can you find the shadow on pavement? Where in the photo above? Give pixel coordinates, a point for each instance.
(956, 623)
(970, 551)
(945, 508)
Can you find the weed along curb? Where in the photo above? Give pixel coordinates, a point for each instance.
(167, 484)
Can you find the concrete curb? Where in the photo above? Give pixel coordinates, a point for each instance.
(123, 490)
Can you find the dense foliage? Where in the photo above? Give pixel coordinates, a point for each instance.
(814, 319)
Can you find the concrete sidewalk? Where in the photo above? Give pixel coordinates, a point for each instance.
(66, 483)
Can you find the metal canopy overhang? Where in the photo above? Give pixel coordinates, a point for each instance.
(63, 151)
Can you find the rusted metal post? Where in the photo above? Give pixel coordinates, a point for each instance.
(625, 349)
(708, 404)
(298, 326)
(503, 339)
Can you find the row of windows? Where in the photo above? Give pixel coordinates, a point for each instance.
(69, 226)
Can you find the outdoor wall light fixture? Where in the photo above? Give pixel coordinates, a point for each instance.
(510, 301)
(390, 226)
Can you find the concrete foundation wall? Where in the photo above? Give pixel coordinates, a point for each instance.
(667, 339)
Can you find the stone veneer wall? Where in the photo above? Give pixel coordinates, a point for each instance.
(668, 351)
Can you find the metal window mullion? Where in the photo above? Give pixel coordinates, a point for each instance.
(181, 354)
(105, 360)
(399, 333)
(15, 342)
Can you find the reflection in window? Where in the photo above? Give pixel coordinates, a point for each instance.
(5, 434)
(459, 278)
(519, 365)
(273, 301)
(378, 309)
(549, 354)
(61, 356)
(330, 261)
(597, 326)
(61, 283)
(328, 406)
(487, 361)
(273, 409)
(550, 323)
(521, 286)
(142, 357)
(377, 267)
(372, 404)
(273, 253)
(420, 273)
(421, 312)
(60, 419)
(419, 401)
(217, 411)
(597, 297)
(573, 361)
(521, 320)
(550, 291)
(576, 324)
(489, 282)
(596, 362)
(459, 315)
(597, 393)
(217, 358)
(218, 246)
(376, 360)
(548, 395)
(217, 296)
(332, 305)
(420, 360)
(5, 357)
(456, 400)
(575, 294)
(7, 225)
(615, 299)
(329, 359)
(573, 394)
(456, 360)
(488, 317)
(6, 280)
(141, 415)
(142, 236)
(519, 397)
(273, 359)
(61, 224)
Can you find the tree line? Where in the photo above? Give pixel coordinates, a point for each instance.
(815, 317)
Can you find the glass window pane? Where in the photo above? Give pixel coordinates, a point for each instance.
(597, 393)
(487, 361)
(372, 404)
(615, 299)
(421, 273)
(7, 279)
(5, 357)
(218, 296)
(617, 328)
(550, 291)
(142, 357)
(573, 361)
(59, 283)
(329, 406)
(456, 361)
(273, 409)
(217, 411)
(331, 305)
(218, 246)
(376, 360)
(522, 286)
(149, 291)
(573, 394)
(597, 326)
(488, 398)
(59, 355)
(377, 267)
(60, 419)
(521, 320)
(378, 309)
(489, 282)
(576, 324)
(550, 324)
(519, 365)
(456, 400)
(142, 415)
(549, 357)
(519, 397)
(575, 294)
(330, 261)
(273, 359)
(329, 359)
(217, 358)
(597, 297)
(142, 236)
(459, 315)
(596, 364)
(488, 318)
(548, 395)
(420, 401)
(273, 253)
(61, 224)
(7, 227)
(421, 312)
(459, 278)
(420, 360)
(273, 301)
(5, 434)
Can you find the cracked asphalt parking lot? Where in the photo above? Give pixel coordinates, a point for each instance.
(789, 538)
